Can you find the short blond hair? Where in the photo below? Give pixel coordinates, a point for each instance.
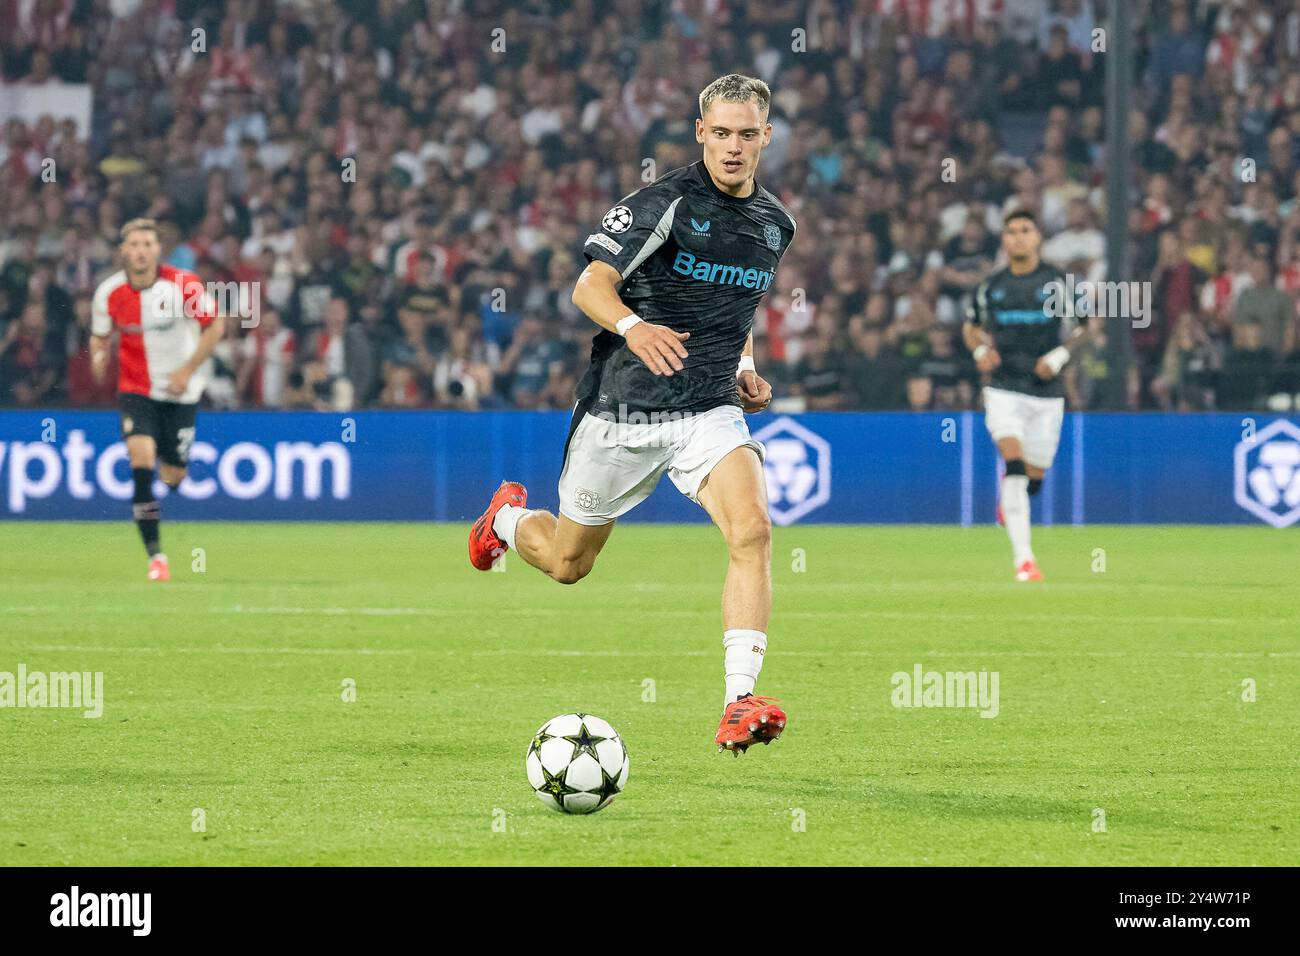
(139, 224)
(735, 88)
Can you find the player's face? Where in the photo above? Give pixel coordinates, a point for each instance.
(733, 135)
(140, 249)
(1020, 239)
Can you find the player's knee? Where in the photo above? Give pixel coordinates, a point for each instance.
(173, 479)
(750, 534)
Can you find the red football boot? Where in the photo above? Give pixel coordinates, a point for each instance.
(1028, 571)
(484, 546)
(158, 570)
(749, 720)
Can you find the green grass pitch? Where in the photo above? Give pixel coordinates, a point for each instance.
(1120, 691)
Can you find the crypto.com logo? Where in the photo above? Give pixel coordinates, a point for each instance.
(1266, 474)
(797, 466)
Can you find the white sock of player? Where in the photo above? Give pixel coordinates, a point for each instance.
(506, 521)
(1015, 514)
(744, 659)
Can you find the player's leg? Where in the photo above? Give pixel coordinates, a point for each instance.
(1014, 498)
(558, 547)
(735, 495)
(1005, 417)
(177, 435)
(1042, 436)
(607, 472)
(721, 468)
(174, 435)
(142, 451)
(172, 475)
(140, 428)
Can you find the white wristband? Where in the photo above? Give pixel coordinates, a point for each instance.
(1057, 358)
(624, 325)
(746, 365)
(981, 350)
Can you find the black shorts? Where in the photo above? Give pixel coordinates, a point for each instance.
(169, 424)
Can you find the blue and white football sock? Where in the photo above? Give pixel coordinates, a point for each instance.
(743, 661)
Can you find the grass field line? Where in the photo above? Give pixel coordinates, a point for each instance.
(997, 614)
(565, 652)
(806, 581)
(218, 649)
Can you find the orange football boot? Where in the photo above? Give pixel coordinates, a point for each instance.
(749, 720)
(484, 546)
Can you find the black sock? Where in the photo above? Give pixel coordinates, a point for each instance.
(145, 508)
(1034, 485)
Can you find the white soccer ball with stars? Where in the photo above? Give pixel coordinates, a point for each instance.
(577, 763)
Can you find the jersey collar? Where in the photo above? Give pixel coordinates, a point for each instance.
(709, 184)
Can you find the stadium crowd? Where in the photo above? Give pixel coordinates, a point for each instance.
(408, 184)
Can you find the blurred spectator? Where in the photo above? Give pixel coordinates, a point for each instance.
(1248, 369)
(1265, 305)
(345, 355)
(400, 388)
(1190, 367)
(879, 372)
(30, 358)
(1178, 50)
(817, 376)
(1079, 241)
(461, 378)
(530, 364)
(951, 372)
(1088, 374)
(266, 358)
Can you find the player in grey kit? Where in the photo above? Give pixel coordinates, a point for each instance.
(675, 273)
(1020, 330)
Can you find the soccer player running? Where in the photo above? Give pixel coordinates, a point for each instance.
(167, 327)
(674, 277)
(1020, 329)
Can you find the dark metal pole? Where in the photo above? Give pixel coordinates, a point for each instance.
(1118, 60)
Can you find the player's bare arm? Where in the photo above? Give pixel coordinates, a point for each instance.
(100, 346)
(1049, 366)
(981, 347)
(596, 294)
(754, 391)
(179, 380)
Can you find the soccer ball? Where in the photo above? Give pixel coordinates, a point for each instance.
(577, 763)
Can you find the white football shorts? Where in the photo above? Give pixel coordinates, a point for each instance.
(1035, 420)
(611, 467)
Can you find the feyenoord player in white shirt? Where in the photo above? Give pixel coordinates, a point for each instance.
(167, 327)
(675, 273)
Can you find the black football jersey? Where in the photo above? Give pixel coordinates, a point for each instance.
(693, 259)
(1018, 313)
